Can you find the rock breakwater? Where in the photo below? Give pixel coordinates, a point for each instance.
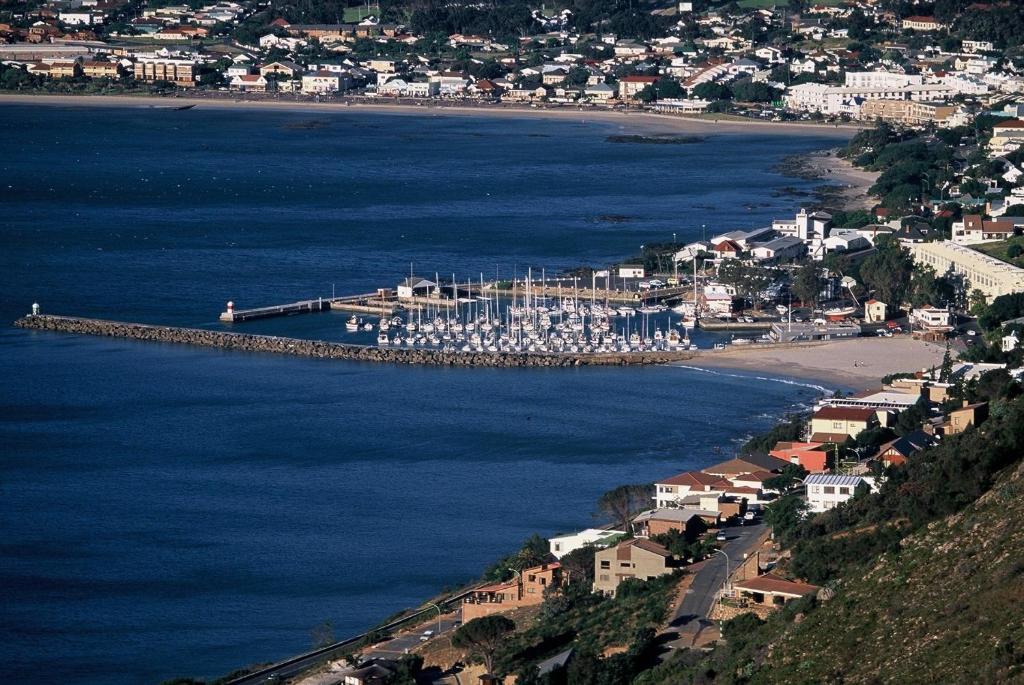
(245, 342)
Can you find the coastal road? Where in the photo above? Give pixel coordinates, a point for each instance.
(691, 616)
(402, 644)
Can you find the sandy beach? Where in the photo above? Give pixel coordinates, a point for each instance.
(855, 364)
(648, 120)
(850, 182)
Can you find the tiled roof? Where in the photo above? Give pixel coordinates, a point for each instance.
(772, 583)
(844, 413)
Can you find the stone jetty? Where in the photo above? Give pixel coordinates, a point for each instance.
(245, 342)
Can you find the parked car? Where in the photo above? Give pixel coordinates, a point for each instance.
(720, 537)
(749, 516)
(427, 634)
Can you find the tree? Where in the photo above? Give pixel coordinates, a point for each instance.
(322, 635)
(745, 90)
(712, 91)
(622, 503)
(790, 475)
(481, 637)
(947, 367)
(534, 551)
(807, 283)
(888, 271)
(785, 514)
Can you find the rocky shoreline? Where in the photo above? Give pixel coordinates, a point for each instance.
(245, 342)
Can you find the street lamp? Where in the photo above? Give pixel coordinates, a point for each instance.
(726, 584)
(438, 616)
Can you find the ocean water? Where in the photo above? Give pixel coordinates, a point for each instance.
(170, 511)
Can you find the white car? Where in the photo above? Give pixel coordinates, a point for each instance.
(427, 634)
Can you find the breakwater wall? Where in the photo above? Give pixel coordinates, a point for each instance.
(245, 342)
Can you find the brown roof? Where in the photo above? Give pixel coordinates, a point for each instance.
(649, 546)
(1013, 123)
(728, 246)
(844, 414)
(834, 438)
(772, 583)
(694, 478)
(747, 464)
(759, 476)
(638, 79)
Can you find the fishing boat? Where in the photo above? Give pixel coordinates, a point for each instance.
(352, 324)
(382, 338)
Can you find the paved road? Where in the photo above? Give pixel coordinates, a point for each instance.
(394, 648)
(690, 617)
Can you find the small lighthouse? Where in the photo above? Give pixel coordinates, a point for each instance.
(35, 309)
(229, 314)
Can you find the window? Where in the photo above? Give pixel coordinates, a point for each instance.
(606, 564)
(531, 578)
(558, 546)
(625, 564)
(829, 490)
(844, 491)
(837, 424)
(604, 576)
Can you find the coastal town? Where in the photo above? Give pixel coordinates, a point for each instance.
(897, 289)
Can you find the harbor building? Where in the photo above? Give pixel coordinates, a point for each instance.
(991, 276)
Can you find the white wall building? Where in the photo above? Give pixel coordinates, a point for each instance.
(597, 537)
(826, 491)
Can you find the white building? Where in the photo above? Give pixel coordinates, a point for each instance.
(825, 491)
(991, 276)
(881, 79)
(931, 318)
(321, 82)
(594, 537)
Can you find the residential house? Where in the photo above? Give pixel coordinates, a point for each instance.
(631, 271)
(960, 419)
(972, 229)
(691, 522)
(809, 455)
(921, 23)
(748, 463)
(101, 69)
(1007, 136)
(525, 589)
(561, 545)
(825, 491)
(282, 69)
(836, 424)
(671, 491)
(769, 591)
(630, 86)
(249, 83)
(65, 69)
(180, 72)
(600, 92)
(897, 452)
(932, 319)
(727, 249)
(320, 83)
(634, 558)
(784, 249)
(874, 311)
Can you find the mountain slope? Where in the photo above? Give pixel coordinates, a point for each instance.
(947, 607)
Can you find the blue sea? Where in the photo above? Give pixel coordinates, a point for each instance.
(172, 511)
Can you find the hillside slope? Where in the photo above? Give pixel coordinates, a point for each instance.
(947, 607)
